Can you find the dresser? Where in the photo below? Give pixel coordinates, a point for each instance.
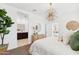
(37, 37)
(22, 35)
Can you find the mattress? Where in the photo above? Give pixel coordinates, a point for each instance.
(50, 46)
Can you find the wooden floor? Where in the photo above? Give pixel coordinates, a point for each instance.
(24, 50)
(22, 42)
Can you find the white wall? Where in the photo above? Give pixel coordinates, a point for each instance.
(65, 12)
(11, 38)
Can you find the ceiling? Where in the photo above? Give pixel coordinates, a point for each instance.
(41, 9)
(36, 8)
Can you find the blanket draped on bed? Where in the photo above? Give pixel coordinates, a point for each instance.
(50, 46)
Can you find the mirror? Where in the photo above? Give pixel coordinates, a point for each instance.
(36, 28)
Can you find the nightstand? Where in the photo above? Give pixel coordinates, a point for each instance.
(37, 37)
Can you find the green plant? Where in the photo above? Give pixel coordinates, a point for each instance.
(74, 41)
(5, 23)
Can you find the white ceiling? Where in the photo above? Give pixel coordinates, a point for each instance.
(41, 8)
(36, 8)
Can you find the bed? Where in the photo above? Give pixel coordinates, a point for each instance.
(50, 46)
(53, 46)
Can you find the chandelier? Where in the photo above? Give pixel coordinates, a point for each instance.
(50, 12)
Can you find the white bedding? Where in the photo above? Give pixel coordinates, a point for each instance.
(50, 46)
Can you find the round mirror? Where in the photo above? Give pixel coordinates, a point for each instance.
(37, 27)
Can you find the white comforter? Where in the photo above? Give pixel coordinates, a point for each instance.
(50, 46)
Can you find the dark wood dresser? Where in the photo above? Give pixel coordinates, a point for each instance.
(22, 35)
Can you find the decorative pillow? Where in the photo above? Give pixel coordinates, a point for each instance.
(74, 41)
(67, 36)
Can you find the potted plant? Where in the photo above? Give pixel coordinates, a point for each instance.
(5, 23)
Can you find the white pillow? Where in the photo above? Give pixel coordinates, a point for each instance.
(66, 37)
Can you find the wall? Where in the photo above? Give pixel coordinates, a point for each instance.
(65, 12)
(11, 38)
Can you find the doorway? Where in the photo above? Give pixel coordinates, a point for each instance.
(22, 29)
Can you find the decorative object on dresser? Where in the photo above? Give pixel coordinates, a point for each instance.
(5, 23)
